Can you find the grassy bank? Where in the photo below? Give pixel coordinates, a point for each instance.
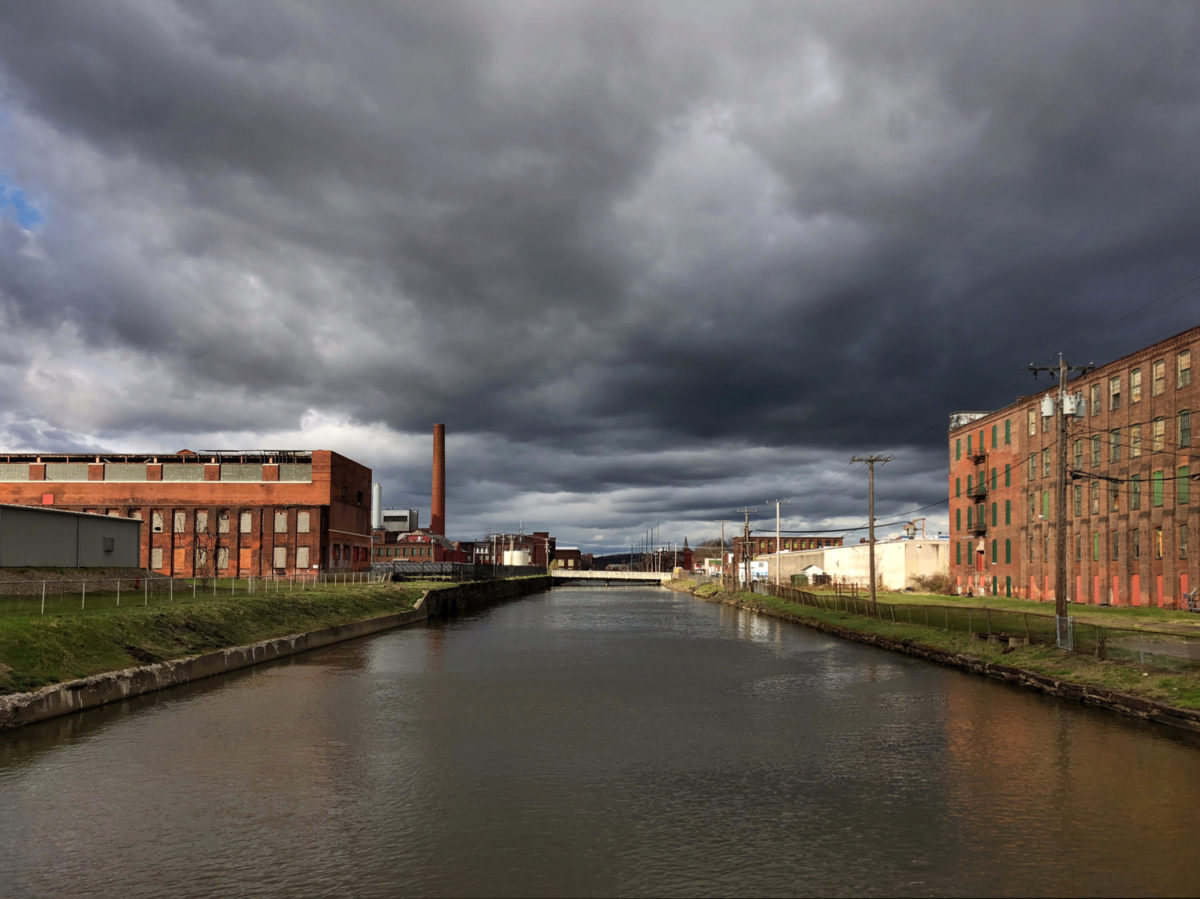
(1180, 688)
(36, 650)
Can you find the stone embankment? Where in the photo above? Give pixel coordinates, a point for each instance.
(1089, 694)
(17, 709)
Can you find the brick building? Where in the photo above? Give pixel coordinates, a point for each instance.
(226, 514)
(765, 543)
(1131, 501)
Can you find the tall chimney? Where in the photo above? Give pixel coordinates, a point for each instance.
(437, 511)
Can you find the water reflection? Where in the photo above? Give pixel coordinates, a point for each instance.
(598, 741)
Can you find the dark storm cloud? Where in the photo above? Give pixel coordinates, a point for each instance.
(650, 262)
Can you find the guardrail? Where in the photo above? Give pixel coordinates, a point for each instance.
(61, 595)
(1148, 646)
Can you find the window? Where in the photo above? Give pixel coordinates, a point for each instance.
(1007, 551)
(957, 448)
(1095, 399)
(1135, 441)
(201, 557)
(994, 514)
(1158, 435)
(245, 521)
(281, 523)
(1114, 445)
(968, 518)
(201, 521)
(1135, 492)
(993, 479)
(1182, 486)
(1096, 547)
(957, 553)
(958, 486)
(1078, 451)
(1032, 465)
(1032, 506)
(156, 558)
(302, 523)
(1007, 475)
(223, 521)
(1114, 498)
(222, 558)
(1158, 544)
(994, 552)
(1046, 462)
(993, 436)
(1183, 535)
(1135, 543)
(302, 557)
(280, 560)
(1156, 488)
(1183, 369)
(1114, 393)
(1046, 504)
(1095, 450)
(970, 482)
(156, 525)
(1078, 547)
(1184, 429)
(958, 519)
(1008, 511)
(180, 522)
(969, 453)
(1158, 374)
(1007, 431)
(1116, 545)
(1032, 421)
(1077, 505)
(1094, 495)
(1135, 386)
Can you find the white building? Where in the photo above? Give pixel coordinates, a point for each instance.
(897, 562)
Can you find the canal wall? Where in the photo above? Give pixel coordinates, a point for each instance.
(18, 709)
(1088, 694)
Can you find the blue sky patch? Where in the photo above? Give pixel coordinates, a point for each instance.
(13, 202)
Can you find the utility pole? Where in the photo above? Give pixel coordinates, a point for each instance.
(722, 555)
(778, 503)
(1062, 622)
(746, 544)
(871, 460)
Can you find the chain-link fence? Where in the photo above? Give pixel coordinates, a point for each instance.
(1155, 647)
(48, 596)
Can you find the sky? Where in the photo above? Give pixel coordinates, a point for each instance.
(651, 263)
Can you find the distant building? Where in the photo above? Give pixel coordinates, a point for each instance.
(898, 563)
(540, 546)
(420, 546)
(217, 513)
(1132, 503)
(765, 543)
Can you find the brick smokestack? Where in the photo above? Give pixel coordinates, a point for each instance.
(437, 516)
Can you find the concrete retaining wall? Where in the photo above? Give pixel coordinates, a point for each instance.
(1113, 700)
(17, 709)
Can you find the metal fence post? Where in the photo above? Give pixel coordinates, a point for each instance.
(83, 594)
(43, 597)
(118, 593)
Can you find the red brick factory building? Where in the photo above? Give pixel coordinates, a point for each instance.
(214, 513)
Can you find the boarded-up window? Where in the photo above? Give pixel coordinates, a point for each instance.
(245, 559)
(156, 521)
(223, 521)
(124, 471)
(301, 522)
(281, 521)
(201, 557)
(244, 522)
(302, 557)
(180, 521)
(136, 514)
(156, 558)
(182, 471)
(222, 558)
(281, 557)
(14, 471)
(289, 471)
(201, 521)
(240, 472)
(66, 471)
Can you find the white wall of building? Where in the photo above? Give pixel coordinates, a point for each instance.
(897, 562)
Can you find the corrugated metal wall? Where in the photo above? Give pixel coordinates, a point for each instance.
(41, 538)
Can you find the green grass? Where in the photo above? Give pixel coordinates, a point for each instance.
(42, 649)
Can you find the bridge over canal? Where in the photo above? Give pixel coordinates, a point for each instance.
(610, 577)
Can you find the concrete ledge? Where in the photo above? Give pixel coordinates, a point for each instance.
(17, 709)
(1088, 694)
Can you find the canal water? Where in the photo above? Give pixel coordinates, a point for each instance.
(609, 741)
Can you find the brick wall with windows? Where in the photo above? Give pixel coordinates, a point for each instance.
(215, 514)
(1130, 500)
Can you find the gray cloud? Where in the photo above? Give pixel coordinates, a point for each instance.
(650, 262)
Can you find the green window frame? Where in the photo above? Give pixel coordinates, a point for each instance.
(957, 553)
(993, 436)
(993, 551)
(1046, 504)
(1156, 488)
(1135, 492)
(1007, 550)
(958, 486)
(1096, 546)
(958, 519)
(1007, 431)
(957, 448)
(1007, 475)
(1182, 486)
(994, 480)
(994, 514)
(969, 453)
